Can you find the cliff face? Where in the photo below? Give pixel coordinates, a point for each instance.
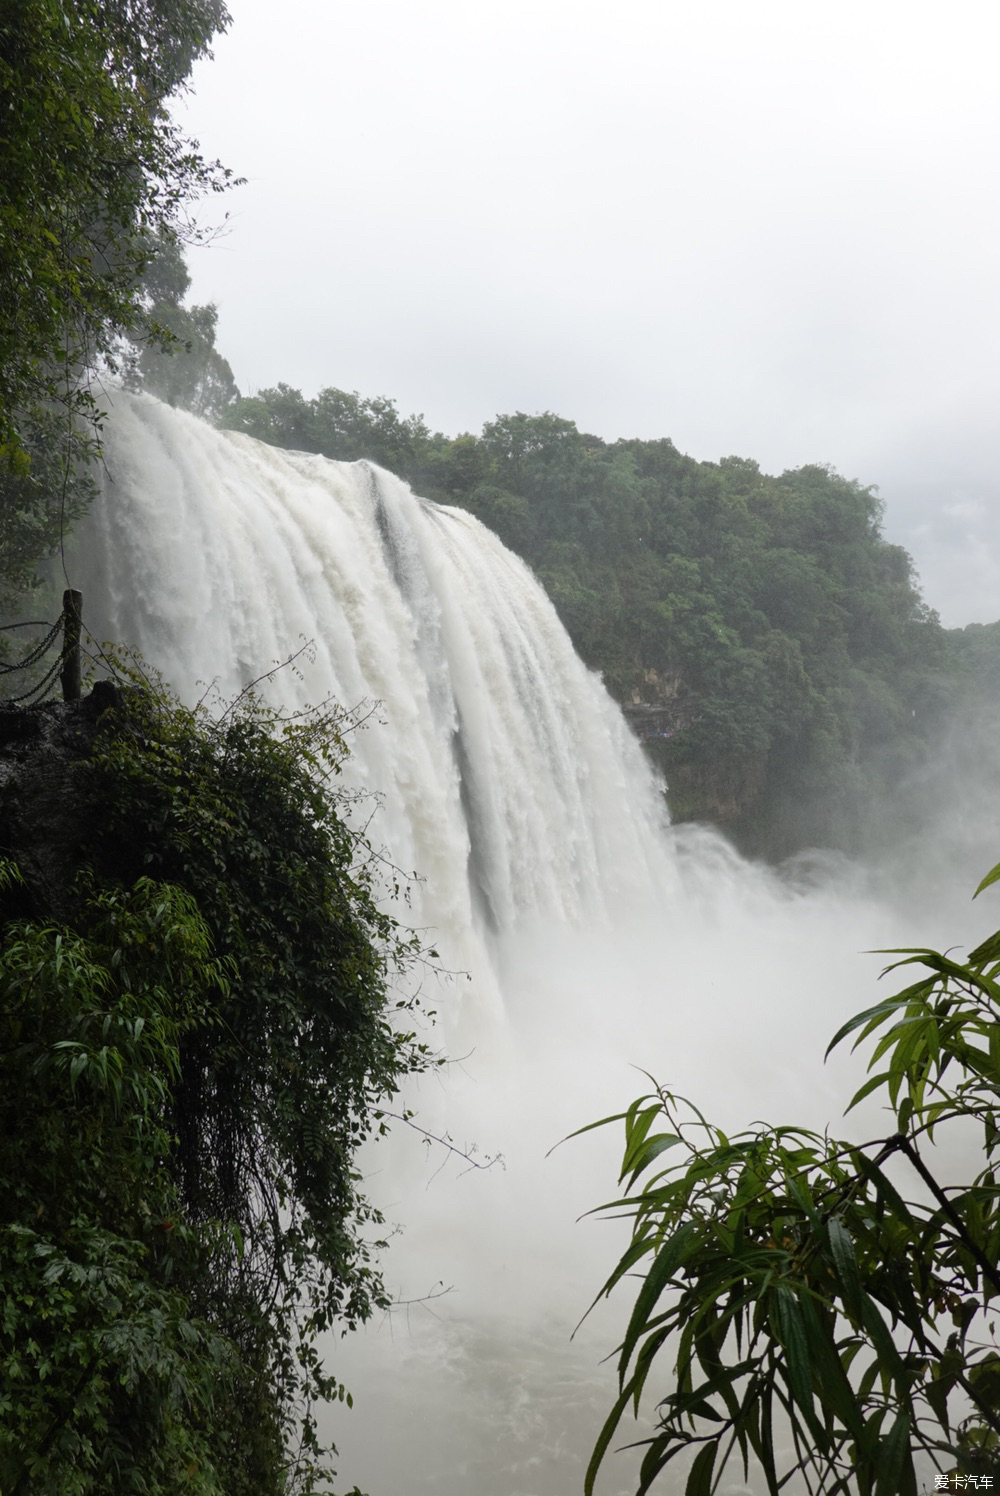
(657, 707)
(725, 792)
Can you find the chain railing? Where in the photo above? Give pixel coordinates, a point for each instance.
(66, 663)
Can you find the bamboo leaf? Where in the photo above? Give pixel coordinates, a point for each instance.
(875, 1015)
(589, 1127)
(650, 1349)
(994, 1042)
(665, 1264)
(660, 1452)
(892, 1454)
(870, 1085)
(885, 1347)
(987, 952)
(638, 1120)
(699, 1481)
(641, 1158)
(908, 1475)
(637, 1249)
(604, 1439)
(765, 1452)
(794, 1341)
(885, 1190)
(993, 876)
(835, 1389)
(936, 1392)
(683, 1403)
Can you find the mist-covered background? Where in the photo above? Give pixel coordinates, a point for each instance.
(767, 230)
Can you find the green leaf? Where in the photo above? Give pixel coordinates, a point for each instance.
(936, 1392)
(885, 1347)
(987, 952)
(835, 1389)
(640, 1158)
(870, 1085)
(885, 1190)
(639, 1248)
(665, 1264)
(993, 876)
(589, 1127)
(872, 1015)
(994, 1043)
(795, 1343)
(720, 1384)
(604, 1439)
(892, 1454)
(699, 1481)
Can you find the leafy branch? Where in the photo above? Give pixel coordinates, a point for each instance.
(787, 1276)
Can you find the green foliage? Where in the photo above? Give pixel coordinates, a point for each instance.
(796, 1288)
(189, 1065)
(177, 359)
(101, 1349)
(94, 172)
(340, 425)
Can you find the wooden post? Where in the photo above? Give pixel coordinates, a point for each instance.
(72, 619)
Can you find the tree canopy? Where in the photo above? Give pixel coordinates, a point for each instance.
(175, 357)
(96, 177)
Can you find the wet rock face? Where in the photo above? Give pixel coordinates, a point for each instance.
(42, 828)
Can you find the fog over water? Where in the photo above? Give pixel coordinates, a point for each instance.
(590, 941)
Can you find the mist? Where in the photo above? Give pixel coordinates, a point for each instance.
(587, 942)
(729, 998)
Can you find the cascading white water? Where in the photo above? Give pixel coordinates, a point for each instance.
(510, 782)
(594, 936)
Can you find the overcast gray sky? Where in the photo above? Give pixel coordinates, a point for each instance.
(764, 227)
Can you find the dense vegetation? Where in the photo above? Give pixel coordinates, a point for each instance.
(196, 1034)
(96, 180)
(836, 1291)
(795, 673)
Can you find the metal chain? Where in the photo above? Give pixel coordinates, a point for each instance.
(42, 685)
(36, 653)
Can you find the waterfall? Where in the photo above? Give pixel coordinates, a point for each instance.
(510, 783)
(594, 936)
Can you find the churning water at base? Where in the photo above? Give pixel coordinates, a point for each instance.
(595, 938)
